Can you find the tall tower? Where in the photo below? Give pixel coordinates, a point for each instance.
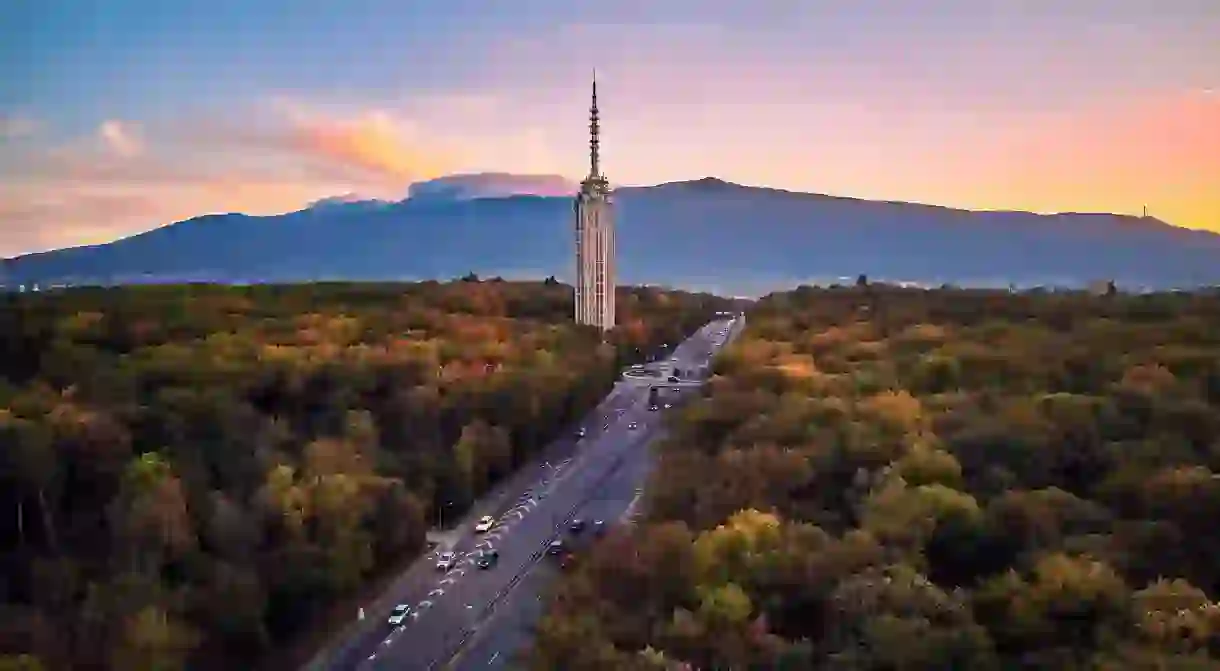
(594, 237)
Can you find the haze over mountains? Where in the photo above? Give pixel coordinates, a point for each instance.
(705, 234)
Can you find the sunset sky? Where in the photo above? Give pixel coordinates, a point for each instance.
(122, 115)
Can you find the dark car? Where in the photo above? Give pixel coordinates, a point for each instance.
(599, 528)
(580, 433)
(555, 548)
(487, 559)
(576, 526)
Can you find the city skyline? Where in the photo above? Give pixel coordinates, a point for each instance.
(117, 121)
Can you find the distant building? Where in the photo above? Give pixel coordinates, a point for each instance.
(594, 238)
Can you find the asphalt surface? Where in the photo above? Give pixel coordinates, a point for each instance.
(506, 633)
(593, 478)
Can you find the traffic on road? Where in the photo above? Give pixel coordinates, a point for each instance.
(433, 612)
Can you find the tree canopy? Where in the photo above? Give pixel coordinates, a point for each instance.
(885, 478)
(196, 475)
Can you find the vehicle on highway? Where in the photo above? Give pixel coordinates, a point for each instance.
(485, 524)
(599, 527)
(673, 378)
(556, 548)
(633, 426)
(445, 561)
(580, 433)
(576, 526)
(487, 558)
(668, 406)
(399, 614)
(653, 408)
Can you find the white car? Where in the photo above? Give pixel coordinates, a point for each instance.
(399, 614)
(445, 561)
(485, 524)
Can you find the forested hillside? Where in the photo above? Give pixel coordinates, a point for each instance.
(890, 479)
(190, 475)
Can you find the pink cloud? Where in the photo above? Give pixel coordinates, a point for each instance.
(13, 127)
(120, 138)
(130, 180)
(1159, 151)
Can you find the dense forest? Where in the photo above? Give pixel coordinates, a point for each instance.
(892, 479)
(191, 475)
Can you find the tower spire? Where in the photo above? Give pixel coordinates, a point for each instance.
(594, 133)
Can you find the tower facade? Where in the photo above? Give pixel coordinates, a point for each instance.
(594, 237)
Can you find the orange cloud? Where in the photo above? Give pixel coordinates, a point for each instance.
(371, 143)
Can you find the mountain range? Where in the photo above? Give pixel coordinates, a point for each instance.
(706, 234)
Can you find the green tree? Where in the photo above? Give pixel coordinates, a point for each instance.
(151, 519)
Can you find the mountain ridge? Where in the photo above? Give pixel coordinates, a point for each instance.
(700, 233)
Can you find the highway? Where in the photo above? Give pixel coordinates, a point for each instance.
(594, 478)
(506, 633)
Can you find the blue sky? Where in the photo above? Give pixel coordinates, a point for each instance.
(973, 103)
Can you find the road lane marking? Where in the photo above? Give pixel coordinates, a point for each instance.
(493, 658)
(436, 592)
(529, 502)
(447, 581)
